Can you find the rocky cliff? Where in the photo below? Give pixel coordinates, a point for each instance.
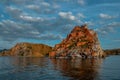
(28, 50)
(81, 42)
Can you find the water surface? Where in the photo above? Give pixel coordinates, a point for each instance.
(21, 68)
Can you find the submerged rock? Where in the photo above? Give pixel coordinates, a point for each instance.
(81, 42)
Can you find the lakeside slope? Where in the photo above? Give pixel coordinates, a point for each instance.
(28, 50)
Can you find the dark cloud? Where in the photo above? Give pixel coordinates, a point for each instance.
(13, 12)
(11, 30)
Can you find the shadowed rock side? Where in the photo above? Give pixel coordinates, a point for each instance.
(81, 42)
(28, 50)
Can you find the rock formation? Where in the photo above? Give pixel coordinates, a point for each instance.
(28, 50)
(81, 42)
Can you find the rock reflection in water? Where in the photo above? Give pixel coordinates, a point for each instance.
(24, 64)
(78, 69)
(27, 61)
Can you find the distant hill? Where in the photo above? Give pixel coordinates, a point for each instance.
(112, 52)
(4, 50)
(81, 42)
(28, 50)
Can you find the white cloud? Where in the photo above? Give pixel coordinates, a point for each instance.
(80, 15)
(13, 12)
(30, 18)
(12, 8)
(81, 2)
(55, 5)
(104, 32)
(114, 24)
(10, 23)
(35, 32)
(89, 23)
(106, 16)
(33, 6)
(101, 31)
(67, 15)
(45, 4)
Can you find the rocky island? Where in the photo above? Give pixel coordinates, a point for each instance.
(28, 50)
(81, 42)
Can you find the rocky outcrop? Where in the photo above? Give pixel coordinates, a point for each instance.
(28, 50)
(81, 42)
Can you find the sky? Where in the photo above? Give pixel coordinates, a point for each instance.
(49, 21)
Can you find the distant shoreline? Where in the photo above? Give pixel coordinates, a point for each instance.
(112, 52)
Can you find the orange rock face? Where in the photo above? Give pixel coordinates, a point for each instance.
(52, 54)
(81, 42)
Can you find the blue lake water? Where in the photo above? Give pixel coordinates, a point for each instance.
(20, 68)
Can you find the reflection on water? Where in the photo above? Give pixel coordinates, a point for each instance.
(25, 68)
(78, 69)
(27, 61)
